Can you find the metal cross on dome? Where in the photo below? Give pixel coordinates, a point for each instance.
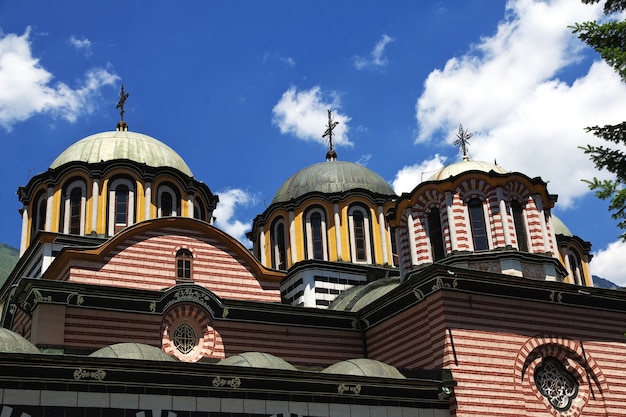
(463, 141)
(331, 155)
(120, 104)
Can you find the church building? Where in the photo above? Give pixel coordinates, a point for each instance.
(464, 297)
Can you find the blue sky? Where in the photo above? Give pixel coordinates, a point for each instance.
(240, 90)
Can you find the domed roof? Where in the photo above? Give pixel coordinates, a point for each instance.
(109, 146)
(132, 351)
(332, 177)
(364, 367)
(359, 296)
(11, 342)
(560, 228)
(257, 360)
(464, 166)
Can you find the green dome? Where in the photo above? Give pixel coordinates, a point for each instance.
(560, 228)
(132, 351)
(364, 367)
(257, 360)
(11, 342)
(109, 146)
(453, 170)
(332, 177)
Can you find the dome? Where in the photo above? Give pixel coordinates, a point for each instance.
(11, 342)
(257, 360)
(109, 146)
(560, 228)
(364, 367)
(359, 296)
(464, 166)
(332, 177)
(132, 351)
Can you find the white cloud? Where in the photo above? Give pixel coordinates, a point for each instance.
(26, 87)
(83, 45)
(610, 263)
(411, 175)
(377, 57)
(224, 213)
(507, 92)
(304, 114)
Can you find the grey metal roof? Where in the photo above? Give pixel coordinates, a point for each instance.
(132, 351)
(332, 177)
(364, 367)
(108, 146)
(11, 342)
(257, 360)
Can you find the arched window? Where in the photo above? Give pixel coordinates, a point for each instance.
(168, 202)
(73, 209)
(360, 246)
(477, 223)
(184, 260)
(198, 210)
(435, 234)
(279, 244)
(520, 225)
(577, 275)
(316, 234)
(38, 221)
(121, 205)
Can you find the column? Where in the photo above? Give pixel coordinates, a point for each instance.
(148, 202)
(504, 218)
(262, 246)
(49, 206)
(190, 206)
(24, 237)
(95, 192)
(383, 235)
(292, 238)
(411, 228)
(338, 231)
(451, 223)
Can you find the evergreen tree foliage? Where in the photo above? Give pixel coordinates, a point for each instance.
(609, 40)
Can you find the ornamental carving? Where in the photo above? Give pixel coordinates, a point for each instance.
(355, 389)
(556, 383)
(40, 298)
(97, 374)
(79, 298)
(218, 381)
(556, 297)
(190, 294)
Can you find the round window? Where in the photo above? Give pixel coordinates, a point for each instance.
(185, 338)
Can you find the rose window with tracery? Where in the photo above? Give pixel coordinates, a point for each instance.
(185, 338)
(556, 383)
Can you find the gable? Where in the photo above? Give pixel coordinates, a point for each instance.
(144, 257)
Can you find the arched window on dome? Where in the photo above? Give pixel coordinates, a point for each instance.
(360, 236)
(73, 208)
(278, 238)
(520, 225)
(184, 262)
(316, 240)
(168, 201)
(38, 221)
(199, 212)
(435, 234)
(121, 205)
(477, 223)
(576, 273)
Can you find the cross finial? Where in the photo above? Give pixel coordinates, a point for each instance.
(463, 141)
(120, 104)
(331, 155)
